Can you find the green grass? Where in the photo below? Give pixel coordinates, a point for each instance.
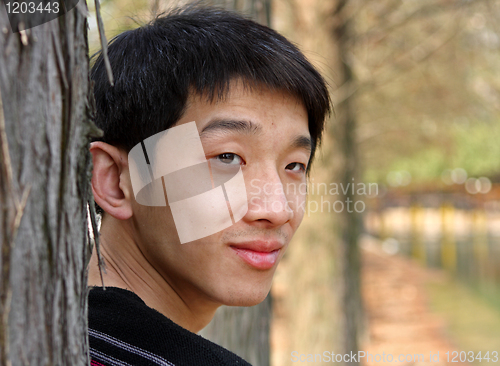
(473, 322)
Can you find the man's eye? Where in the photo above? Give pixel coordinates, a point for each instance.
(296, 167)
(229, 159)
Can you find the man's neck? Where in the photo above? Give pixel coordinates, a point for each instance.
(127, 268)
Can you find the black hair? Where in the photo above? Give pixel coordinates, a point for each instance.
(196, 49)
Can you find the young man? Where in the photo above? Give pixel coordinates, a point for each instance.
(183, 234)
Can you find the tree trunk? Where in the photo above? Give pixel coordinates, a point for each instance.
(245, 330)
(349, 219)
(44, 190)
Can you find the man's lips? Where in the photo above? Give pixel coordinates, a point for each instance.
(258, 254)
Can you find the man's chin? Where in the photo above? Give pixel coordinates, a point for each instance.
(246, 300)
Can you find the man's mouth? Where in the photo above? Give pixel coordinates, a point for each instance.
(258, 254)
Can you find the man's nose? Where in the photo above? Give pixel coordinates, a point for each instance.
(267, 199)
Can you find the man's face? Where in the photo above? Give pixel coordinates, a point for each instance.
(266, 134)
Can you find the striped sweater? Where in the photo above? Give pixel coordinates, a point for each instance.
(124, 331)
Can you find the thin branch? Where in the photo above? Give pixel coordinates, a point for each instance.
(345, 91)
(104, 42)
(20, 206)
(5, 163)
(431, 50)
(426, 10)
(342, 14)
(378, 79)
(100, 260)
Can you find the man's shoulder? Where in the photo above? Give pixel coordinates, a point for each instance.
(123, 330)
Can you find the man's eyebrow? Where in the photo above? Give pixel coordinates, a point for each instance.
(249, 127)
(230, 125)
(302, 142)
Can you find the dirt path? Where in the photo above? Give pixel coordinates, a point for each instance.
(399, 319)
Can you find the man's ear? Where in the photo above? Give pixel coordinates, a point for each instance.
(110, 181)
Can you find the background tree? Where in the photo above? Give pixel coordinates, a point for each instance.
(343, 132)
(44, 190)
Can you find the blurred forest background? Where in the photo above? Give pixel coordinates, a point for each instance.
(414, 266)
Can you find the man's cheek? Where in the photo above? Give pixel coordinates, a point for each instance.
(298, 205)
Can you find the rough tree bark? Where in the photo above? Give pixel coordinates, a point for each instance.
(245, 330)
(44, 189)
(349, 223)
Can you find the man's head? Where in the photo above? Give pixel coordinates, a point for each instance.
(257, 104)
